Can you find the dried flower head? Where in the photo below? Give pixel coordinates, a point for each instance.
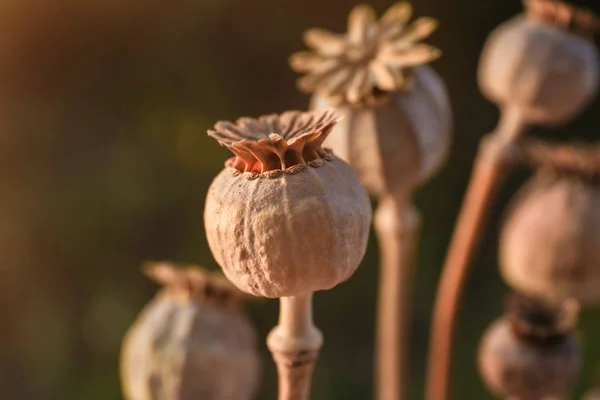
(543, 64)
(397, 122)
(285, 217)
(532, 352)
(372, 56)
(549, 243)
(191, 341)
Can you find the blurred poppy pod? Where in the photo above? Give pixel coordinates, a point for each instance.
(549, 242)
(397, 127)
(544, 63)
(191, 341)
(531, 353)
(285, 217)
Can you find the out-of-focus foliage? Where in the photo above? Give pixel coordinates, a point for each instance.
(104, 163)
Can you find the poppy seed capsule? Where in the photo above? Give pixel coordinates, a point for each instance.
(191, 341)
(549, 242)
(399, 142)
(285, 217)
(397, 122)
(543, 63)
(531, 353)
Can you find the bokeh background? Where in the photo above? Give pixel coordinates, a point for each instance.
(104, 163)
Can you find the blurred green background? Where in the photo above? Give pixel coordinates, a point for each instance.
(104, 163)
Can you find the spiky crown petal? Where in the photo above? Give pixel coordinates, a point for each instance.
(370, 55)
(194, 282)
(539, 319)
(273, 144)
(563, 15)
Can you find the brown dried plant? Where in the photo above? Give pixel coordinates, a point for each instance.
(191, 341)
(286, 218)
(395, 134)
(532, 352)
(519, 72)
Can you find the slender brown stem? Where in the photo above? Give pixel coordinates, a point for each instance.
(397, 226)
(295, 343)
(490, 169)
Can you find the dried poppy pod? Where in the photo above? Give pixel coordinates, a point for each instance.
(397, 127)
(191, 341)
(544, 63)
(549, 242)
(285, 217)
(531, 353)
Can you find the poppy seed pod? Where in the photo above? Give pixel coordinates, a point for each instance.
(531, 353)
(543, 63)
(285, 217)
(191, 341)
(549, 242)
(397, 127)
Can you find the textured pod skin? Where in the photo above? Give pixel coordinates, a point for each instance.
(549, 243)
(181, 349)
(546, 72)
(290, 235)
(512, 366)
(395, 145)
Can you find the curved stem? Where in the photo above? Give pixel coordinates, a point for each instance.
(397, 226)
(295, 343)
(490, 169)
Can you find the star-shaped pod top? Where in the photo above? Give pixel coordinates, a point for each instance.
(272, 144)
(372, 55)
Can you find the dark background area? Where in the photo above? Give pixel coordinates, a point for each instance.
(104, 163)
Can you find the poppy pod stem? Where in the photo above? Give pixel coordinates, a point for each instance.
(491, 167)
(397, 224)
(295, 343)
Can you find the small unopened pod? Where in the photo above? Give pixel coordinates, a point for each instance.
(285, 217)
(549, 244)
(531, 353)
(542, 64)
(192, 341)
(398, 121)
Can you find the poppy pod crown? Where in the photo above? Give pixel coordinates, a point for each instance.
(196, 284)
(539, 320)
(274, 144)
(372, 56)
